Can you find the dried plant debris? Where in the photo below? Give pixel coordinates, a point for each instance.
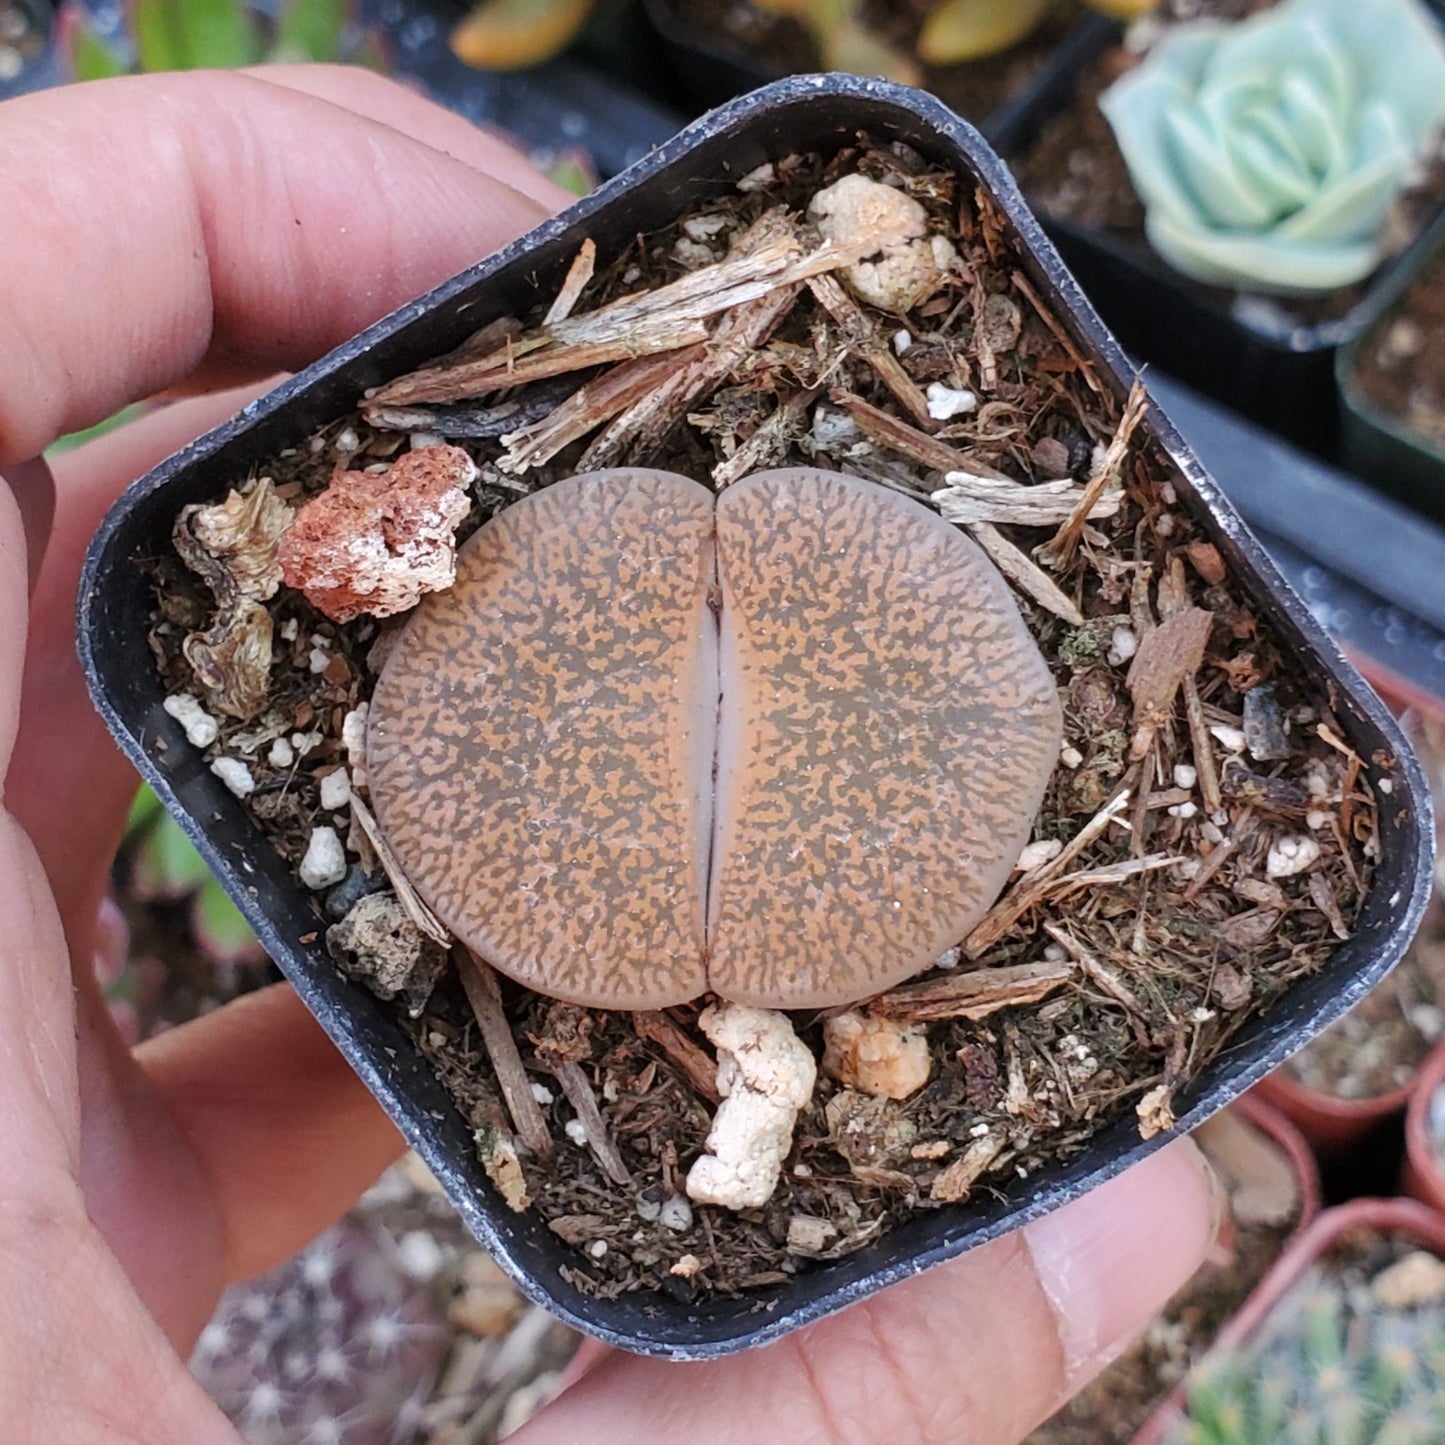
(1206, 838)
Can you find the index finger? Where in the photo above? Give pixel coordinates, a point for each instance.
(156, 222)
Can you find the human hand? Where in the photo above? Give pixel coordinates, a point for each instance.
(180, 233)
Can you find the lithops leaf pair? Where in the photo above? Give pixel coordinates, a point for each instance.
(782, 744)
(1267, 152)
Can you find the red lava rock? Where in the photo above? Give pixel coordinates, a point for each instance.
(375, 542)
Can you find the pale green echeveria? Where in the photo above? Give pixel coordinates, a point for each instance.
(1267, 152)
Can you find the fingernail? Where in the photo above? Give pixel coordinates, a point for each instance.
(1108, 1262)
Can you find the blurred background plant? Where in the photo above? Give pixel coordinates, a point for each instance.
(503, 34)
(1339, 1367)
(1268, 152)
(222, 34)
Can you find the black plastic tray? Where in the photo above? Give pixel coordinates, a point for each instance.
(797, 114)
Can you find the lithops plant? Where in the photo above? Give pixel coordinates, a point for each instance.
(1267, 153)
(784, 744)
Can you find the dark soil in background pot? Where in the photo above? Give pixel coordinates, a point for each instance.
(779, 45)
(1400, 367)
(1266, 1202)
(1072, 169)
(1377, 1047)
(24, 25)
(1175, 911)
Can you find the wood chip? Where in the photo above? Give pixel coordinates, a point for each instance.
(1155, 1111)
(579, 273)
(1096, 971)
(696, 1064)
(769, 255)
(1167, 655)
(1203, 748)
(970, 497)
(956, 1182)
(973, 995)
(485, 996)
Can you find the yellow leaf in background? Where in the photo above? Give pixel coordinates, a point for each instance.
(1123, 9)
(508, 34)
(850, 47)
(958, 30)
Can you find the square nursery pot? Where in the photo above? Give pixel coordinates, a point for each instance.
(1243, 349)
(794, 115)
(1376, 444)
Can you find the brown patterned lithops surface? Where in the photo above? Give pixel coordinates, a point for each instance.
(784, 745)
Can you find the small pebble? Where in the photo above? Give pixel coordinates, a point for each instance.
(325, 860)
(235, 775)
(335, 790)
(597, 1248)
(542, 1094)
(576, 1131)
(200, 727)
(947, 402)
(1123, 644)
(676, 1213)
(1037, 853)
(1071, 757)
(902, 340)
(1231, 739)
(1183, 810)
(1291, 854)
(282, 754)
(1185, 776)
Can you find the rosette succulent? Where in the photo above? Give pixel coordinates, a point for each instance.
(1267, 152)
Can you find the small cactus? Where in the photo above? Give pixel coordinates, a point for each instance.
(1334, 1368)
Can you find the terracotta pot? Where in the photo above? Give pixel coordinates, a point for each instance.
(1331, 1125)
(1421, 1175)
(1405, 1217)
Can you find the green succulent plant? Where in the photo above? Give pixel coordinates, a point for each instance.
(219, 34)
(1331, 1374)
(1267, 152)
(166, 868)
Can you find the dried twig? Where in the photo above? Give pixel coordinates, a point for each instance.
(485, 997)
(1036, 885)
(1104, 475)
(1046, 315)
(877, 352)
(1203, 748)
(908, 441)
(1021, 571)
(970, 497)
(973, 995)
(767, 256)
(407, 896)
(644, 424)
(700, 1070)
(579, 1094)
(1097, 971)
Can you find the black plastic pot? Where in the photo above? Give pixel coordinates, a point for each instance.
(1241, 348)
(706, 72)
(798, 114)
(1377, 445)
